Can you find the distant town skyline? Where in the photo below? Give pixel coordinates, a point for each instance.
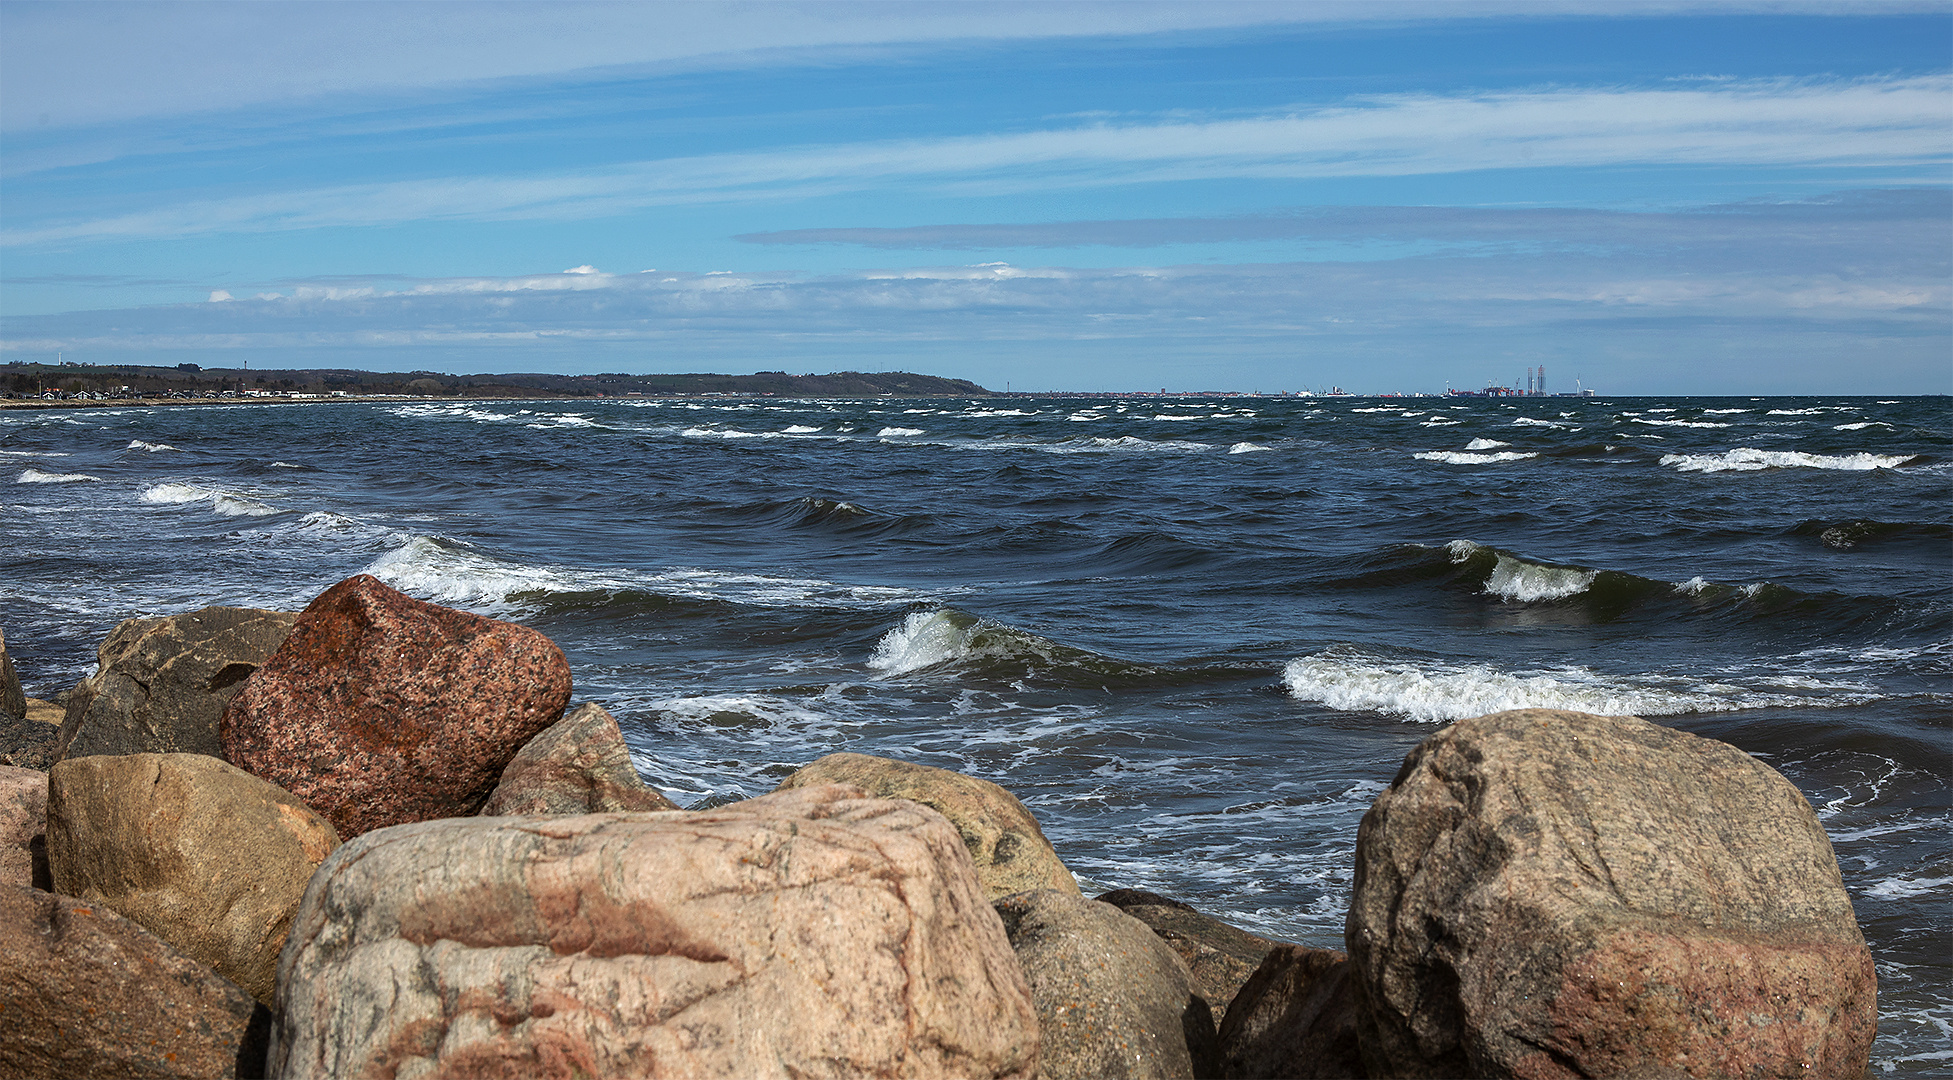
(1672, 198)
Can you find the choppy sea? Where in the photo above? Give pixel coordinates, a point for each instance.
(1195, 635)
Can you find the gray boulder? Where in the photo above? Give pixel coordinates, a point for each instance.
(578, 765)
(161, 684)
(13, 702)
(1553, 894)
(1005, 842)
(27, 742)
(1299, 1017)
(1113, 1001)
(808, 933)
(87, 993)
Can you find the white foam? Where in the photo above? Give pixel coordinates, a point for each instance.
(1461, 550)
(1794, 412)
(152, 447)
(1860, 427)
(798, 429)
(226, 503)
(1527, 421)
(1245, 448)
(1454, 457)
(1898, 888)
(998, 412)
(894, 432)
(33, 453)
(36, 476)
(1084, 417)
(1517, 579)
(1694, 586)
(285, 465)
(446, 573)
(727, 433)
(1485, 444)
(1433, 692)
(1681, 423)
(455, 412)
(1169, 416)
(1723, 412)
(1747, 459)
(1128, 443)
(1440, 423)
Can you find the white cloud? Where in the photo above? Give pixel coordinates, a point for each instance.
(218, 296)
(64, 64)
(1855, 123)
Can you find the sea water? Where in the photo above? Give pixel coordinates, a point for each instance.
(1196, 636)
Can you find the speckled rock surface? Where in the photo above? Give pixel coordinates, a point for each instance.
(1113, 1000)
(204, 855)
(160, 684)
(1553, 894)
(87, 993)
(23, 828)
(809, 933)
(380, 709)
(1298, 1017)
(1221, 957)
(579, 765)
(1005, 842)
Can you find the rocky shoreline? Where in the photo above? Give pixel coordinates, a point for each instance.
(376, 838)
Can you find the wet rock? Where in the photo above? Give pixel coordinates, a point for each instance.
(1221, 957)
(579, 765)
(23, 828)
(813, 932)
(1553, 894)
(380, 709)
(1298, 1017)
(13, 702)
(86, 992)
(204, 855)
(1113, 1001)
(1010, 851)
(161, 684)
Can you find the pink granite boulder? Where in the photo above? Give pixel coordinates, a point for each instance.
(380, 709)
(810, 933)
(1550, 894)
(580, 765)
(23, 827)
(87, 993)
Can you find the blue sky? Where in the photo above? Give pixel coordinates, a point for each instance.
(1649, 197)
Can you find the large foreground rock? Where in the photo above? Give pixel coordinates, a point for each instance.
(204, 855)
(1220, 956)
(13, 702)
(161, 684)
(1299, 1017)
(1005, 842)
(380, 709)
(580, 765)
(811, 933)
(1552, 894)
(23, 828)
(1113, 1000)
(86, 993)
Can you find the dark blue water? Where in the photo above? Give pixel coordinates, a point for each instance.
(1196, 636)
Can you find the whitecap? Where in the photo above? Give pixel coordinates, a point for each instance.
(1166, 416)
(1899, 888)
(1517, 579)
(798, 429)
(1440, 423)
(1746, 459)
(1794, 412)
(1860, 426)
(1245, 448)
(1527, 421)
(1432, 691)
(1681, 423)
(221, 502)
(285, 465)
(894, 432)
(1454, 457)
(925, 639)
(1723, 412)
(36, 476)
(152, 447)
(1485, 444)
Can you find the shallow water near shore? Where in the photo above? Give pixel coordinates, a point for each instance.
(1195, 636)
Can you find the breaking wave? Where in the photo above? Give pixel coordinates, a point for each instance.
(221, 502)
(36, 476)
(1746, 459)
(1350, 680)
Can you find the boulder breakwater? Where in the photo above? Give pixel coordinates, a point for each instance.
(377, 838)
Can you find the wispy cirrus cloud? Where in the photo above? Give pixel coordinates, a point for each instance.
(1827, 123)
